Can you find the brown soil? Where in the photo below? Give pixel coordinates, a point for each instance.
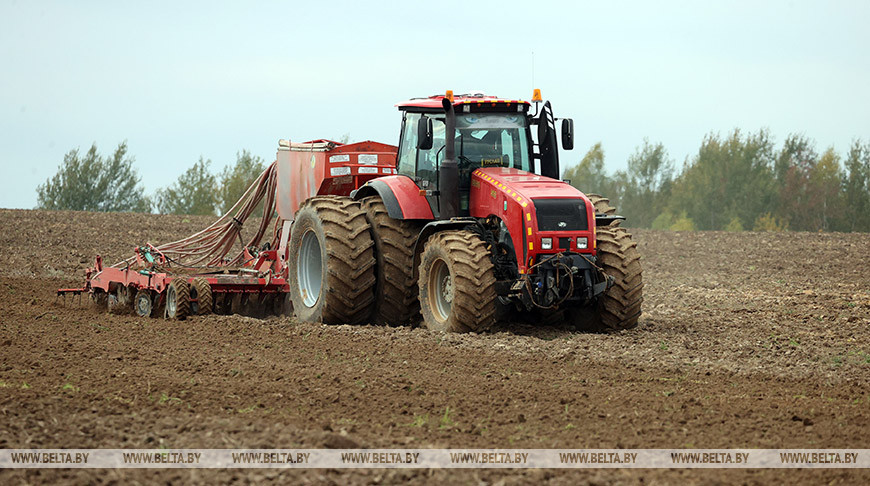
(751, 340)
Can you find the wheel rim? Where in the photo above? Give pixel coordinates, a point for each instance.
(171, 301)
(441, 290)
(143, 305)
(309, 269)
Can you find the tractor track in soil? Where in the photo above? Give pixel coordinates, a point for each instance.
(749, 340)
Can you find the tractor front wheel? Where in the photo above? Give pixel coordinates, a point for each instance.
(457, 283)
(619, 307)
(602, 206)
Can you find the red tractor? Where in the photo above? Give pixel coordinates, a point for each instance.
(465, 221)
(474, 224)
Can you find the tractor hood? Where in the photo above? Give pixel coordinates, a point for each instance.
(526, 185)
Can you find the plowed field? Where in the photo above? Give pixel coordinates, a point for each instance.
(750, 340)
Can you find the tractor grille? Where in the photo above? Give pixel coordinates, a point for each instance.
(561, 214)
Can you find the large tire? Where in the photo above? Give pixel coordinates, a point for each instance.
(396, 300)
(620, 306)
(457, 283)
(332, 275)
(201, 298)
(602, 206)
(177, 299)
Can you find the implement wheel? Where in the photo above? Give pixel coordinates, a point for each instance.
(332, 276)
(201, 299)
(143, 304)
(396, 299)
(100, 299)
(457, 283)
(177, 299)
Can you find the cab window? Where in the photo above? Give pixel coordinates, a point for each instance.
(408, 145)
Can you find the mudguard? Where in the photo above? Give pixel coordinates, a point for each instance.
(401, 196)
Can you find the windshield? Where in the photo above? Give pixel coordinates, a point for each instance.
(492, 140)
(481, 140)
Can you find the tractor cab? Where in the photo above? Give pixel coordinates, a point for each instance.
(487, 132)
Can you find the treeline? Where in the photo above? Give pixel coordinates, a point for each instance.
(91, 182)
(741, 181)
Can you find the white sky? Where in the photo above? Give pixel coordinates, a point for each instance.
(182, 79)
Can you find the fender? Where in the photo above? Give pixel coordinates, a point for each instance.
(434, 227)
(400, 194)
(607, 219)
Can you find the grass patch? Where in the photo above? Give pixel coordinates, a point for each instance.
(420, 420)
(446, 422)
(164, 399)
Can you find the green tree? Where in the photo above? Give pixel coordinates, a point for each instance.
(647, 184)
(235, 180)
(90, 182)
(729, 177)
(195, 192)
(798, 201)
(769, 222)
(856, 188)
(589, 175)
(667, 221)
(825, 181)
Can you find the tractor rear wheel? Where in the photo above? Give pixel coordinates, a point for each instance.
(396, 300)
(620, 306)
(201, 299)
(177, 299)
(602, 206)
(332, 276)
(457, 283)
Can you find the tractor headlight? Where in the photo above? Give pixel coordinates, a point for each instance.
(582, 243)
(546, 243)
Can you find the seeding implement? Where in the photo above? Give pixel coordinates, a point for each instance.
(463, 223)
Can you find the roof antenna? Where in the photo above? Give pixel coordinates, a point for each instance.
(533, 69)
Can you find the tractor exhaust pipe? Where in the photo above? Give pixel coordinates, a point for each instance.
(448, 177)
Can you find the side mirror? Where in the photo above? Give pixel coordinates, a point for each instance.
(568, 134)
(424, 133)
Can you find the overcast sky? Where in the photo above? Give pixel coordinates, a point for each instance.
(180, 80)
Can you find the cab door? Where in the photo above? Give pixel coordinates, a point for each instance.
(422, 165)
